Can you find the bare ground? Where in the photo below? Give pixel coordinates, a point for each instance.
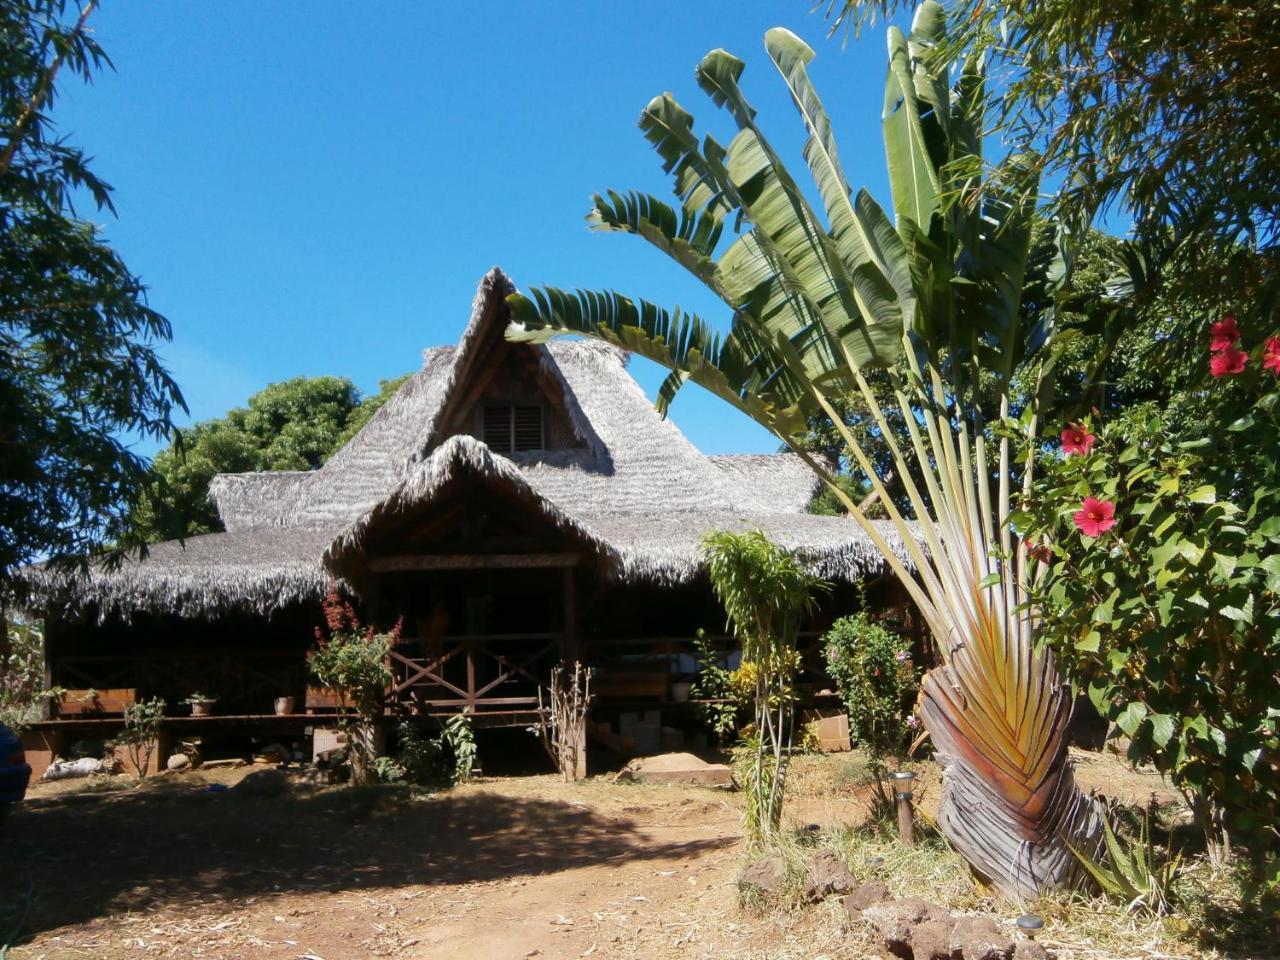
(508, 868)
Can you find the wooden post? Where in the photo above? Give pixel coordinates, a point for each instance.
(902, 783)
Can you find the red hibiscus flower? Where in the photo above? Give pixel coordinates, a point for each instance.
(1228, 362)
(1076, 439)
(1271, 358)
(1224, 333)
(1095, 517)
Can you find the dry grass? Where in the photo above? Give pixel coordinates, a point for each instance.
(1207, 922)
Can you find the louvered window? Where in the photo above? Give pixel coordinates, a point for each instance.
(513, 428)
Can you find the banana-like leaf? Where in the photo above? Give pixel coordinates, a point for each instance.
(813, 306)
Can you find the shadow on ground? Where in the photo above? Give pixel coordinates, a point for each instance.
(85, 856)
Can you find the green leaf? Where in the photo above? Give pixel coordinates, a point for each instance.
(1162, 728)
(1131, 717)
(1204, 494)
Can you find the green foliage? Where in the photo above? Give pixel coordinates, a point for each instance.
(291, 425)
(461, 742)
(766, 593)
(1171, 619)
(872, 668)
(142, 722)
(719, 697)
(22, 692)
(1133, 871)
(1167, 109)
(351, 660)
(80, 379)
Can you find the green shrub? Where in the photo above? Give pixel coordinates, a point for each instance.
(461, 742)
(142, 721)
(872, 668)
(352, 661)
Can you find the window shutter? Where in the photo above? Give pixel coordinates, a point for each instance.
(527, 428)
(497, 429)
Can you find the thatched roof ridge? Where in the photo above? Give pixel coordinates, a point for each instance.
(457, 457)
(258, 570)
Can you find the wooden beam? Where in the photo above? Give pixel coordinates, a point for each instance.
(471, 561)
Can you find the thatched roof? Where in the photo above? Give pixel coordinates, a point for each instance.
(633, 490)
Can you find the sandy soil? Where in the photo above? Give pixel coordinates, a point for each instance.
(509, 868)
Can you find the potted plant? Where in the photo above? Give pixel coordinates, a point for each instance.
(286, 706)
(201, 704)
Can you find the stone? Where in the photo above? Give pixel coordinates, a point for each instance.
(897, 920)
(980, 939)
(272, 753)
(676, 768)
(867, 895)
(1029, 950)
(178, 761)
(932, 940)
(765, 877)
(827, 876)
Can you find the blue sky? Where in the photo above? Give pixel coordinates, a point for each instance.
(317, 188)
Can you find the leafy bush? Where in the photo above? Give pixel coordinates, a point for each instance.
(1159, 588)
(718, 695)
(352, 661)
(22, 692)
(872, 668)
(142, 721)
(461, 742)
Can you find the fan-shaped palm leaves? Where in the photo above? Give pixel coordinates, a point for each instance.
(819, 297)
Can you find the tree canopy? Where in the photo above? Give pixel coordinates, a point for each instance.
(291, 425)
(79, 375)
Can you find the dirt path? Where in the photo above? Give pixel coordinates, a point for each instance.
(515, 868)
(196, 866)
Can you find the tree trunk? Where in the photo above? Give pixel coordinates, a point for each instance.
(1010, 803)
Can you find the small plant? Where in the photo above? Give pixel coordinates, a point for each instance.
(199, 698)
(766, 593)
(142, 722)
(352, 661)
(718, 695)
(872, 668)
(562, 722)
(461, 741)
(1133, 871)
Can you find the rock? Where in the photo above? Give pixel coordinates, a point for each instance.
(676, 768)
(827, 876)
(867, 895)
(178, 761)
(897, 920)
(70, 769)
(1029, 950)
(272, 753)
(932, 940)
(263, 783)
(980, 939)
(764, 877)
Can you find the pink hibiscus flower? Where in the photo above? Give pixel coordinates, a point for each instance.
(1095, 517)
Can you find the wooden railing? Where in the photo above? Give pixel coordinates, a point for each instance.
(473, 673)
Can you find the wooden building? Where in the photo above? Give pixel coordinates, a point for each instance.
(516, 504)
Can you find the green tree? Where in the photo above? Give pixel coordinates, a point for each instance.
(79, 376)
(291, 425)
(815, 306)
(1170, 110)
